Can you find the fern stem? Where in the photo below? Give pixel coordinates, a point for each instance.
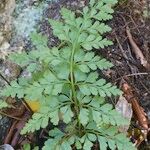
(72, 75)
(73, 85)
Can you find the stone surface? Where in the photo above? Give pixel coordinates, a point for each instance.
(6, 147)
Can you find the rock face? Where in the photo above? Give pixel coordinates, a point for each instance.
(17, 21)
(6, 147)
(6, 9)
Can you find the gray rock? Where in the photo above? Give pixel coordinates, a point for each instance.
(6, 147)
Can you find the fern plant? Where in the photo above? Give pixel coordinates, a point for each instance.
(66, 83)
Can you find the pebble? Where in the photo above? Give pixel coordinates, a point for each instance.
(6, 147)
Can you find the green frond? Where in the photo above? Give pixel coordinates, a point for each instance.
(49, 111)
(98, 86)
(95, 109)
(38, 40)
(67, 85)
(66, 113)
(39, 120)
(68, 16)
(14, 89)
(114, 142)
(48, 84)
(88, 61)
(21, 59)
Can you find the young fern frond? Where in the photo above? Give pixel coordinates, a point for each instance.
(65, 82)
(106, 137)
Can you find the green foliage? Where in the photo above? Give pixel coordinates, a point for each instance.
(106, 137)
(66, 83)
(28, 147)
(97, 86)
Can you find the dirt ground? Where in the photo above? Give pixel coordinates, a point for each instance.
(127, 65)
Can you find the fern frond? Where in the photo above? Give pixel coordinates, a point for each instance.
(66, 33)
(48, 84)
(38, 121)
(22, 59)
(14, 89)
(108, 137)
(54, 140)
(94, 108)
(65, 82)
(87, 61)
(49, 111)
(38, 40)
(113, 141)
(99, 86)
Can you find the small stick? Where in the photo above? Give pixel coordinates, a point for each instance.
(137, 109)
(10, 133)
(13, 117)
(148, 91)
(133, 74)
(26, 105)
(123, 52)
(4, 79)
(136, 50)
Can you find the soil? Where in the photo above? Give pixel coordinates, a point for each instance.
(127, 67)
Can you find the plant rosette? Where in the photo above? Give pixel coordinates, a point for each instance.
(66, 82)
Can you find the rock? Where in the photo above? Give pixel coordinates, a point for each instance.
(5, 123)
(6, 147)
(2, 6)
(1, 38)
(4, 46)
(11, 70)
(7, 6)
(6, 9)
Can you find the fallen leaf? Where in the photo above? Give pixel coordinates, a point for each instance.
(136, 50)
(125, 109)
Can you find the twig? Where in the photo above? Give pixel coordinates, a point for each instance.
(130, 16)
(10, 133)
(4, 79)
(13, 117)
(19, 126)
(133, 74)
(123, 52)
(136, 50)
(145, 87)
(138, 110)
(26, 105)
